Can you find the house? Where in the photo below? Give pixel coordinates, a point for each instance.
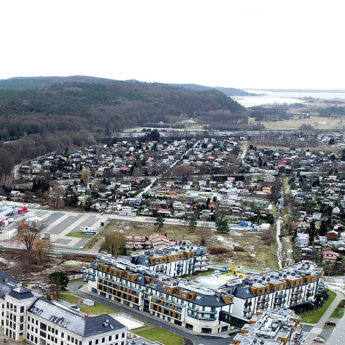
(332, 235)
(330, 256)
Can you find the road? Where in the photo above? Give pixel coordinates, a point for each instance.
(339, 329)
(154, 179)
(197, 340)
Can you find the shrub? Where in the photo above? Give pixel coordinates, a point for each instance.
(239, 249)
(268, 237)
(218, 250)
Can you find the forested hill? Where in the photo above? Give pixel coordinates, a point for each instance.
(31, 83)
(60, 115)
(229, 91)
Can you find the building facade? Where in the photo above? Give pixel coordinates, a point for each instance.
(293, 286)
(190, 305)
(173, 261)
(31, 317)
(183, 303)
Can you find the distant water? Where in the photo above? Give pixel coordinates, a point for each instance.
(286, 97)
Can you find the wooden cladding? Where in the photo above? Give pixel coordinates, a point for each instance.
(227, 299)
(170, 258)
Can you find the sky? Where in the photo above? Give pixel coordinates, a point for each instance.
(231, 43)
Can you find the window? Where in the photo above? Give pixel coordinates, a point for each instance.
(62, 335)
(22, 310)
(96, 342)
(90, 342)
(123, 335)
(103, 340)
(110, 337)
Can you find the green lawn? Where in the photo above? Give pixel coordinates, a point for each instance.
(97, 309)
(314, 316)
(338, 313)
(161, 335)
(76, 280)
(79, 235)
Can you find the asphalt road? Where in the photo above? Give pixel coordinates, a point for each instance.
(338, 335)
(318, 328)
(197, 340)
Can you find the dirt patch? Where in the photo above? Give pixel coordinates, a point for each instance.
(255, 255)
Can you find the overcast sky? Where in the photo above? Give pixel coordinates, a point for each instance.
(238, 43)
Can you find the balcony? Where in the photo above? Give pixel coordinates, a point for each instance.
(202, 317)
(167, 300)
(203, 311)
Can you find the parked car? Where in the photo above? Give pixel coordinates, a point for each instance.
(319, 340)
(331, 323)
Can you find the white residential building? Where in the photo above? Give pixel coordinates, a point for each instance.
(31, 317)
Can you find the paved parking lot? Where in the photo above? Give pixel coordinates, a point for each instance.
(64, 224)
(58, 225)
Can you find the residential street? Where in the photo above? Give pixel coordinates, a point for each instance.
(197, 340)
(339, 329)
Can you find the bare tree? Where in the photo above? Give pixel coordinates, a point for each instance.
(181, 170)
(204, 234)
(41, 248)
(114, 243)
(28, 232)
(55, 197)
(85, 175)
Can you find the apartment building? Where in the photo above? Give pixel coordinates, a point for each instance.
(139, 283)
(295, 285)
(28, 316)
(274, 327)
(174, 261)
(183, 303)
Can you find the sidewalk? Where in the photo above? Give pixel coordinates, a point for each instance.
(317, 329)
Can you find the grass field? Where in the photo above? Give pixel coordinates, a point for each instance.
(317, 122)
(79, 235)
(97, 309)
(256, 255)
(314, 316)
(161, 335)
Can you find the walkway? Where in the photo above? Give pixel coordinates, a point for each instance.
(317, 329)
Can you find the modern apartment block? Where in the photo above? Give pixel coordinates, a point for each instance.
(174, 261)
(31, 317)
(137, 282)
(295, 285)
(181, 302)
(273, 327)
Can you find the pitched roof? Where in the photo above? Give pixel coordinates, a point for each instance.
(72, 320)
(21, 293)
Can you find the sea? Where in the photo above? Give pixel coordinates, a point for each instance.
(260, 97)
